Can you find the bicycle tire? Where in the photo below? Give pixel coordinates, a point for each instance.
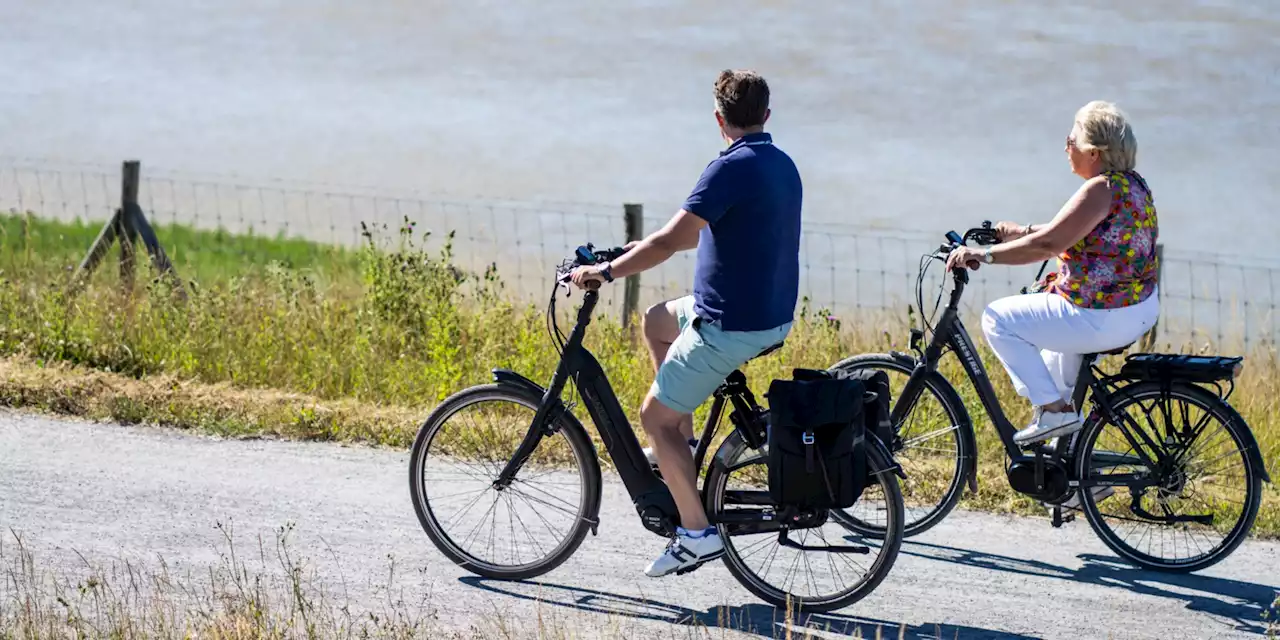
(588, 471)
(966, 443)
(713, 491)
(1231, 421)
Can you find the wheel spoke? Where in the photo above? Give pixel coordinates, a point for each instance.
(1197, 474)
(768, 568)
(544, 507)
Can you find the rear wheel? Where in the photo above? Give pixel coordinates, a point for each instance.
(519, 531)
(1202, 471)
(785, 576)
(936, 449)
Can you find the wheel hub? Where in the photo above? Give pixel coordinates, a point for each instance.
(1172, 484)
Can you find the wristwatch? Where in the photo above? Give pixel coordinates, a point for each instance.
(606, 270)
(987, 257)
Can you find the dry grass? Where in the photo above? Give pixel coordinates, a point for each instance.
(269, 589)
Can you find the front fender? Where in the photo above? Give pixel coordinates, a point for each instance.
(507, 376)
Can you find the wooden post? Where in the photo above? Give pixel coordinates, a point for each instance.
(633, 218)
(125, 230)
(1148, 341)
(128, 224)
(159, 258)
(99, 249)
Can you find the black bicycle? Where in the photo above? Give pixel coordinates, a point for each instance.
(1166, 471)
(506, 482)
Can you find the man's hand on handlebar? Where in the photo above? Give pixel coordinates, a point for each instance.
(588, 277)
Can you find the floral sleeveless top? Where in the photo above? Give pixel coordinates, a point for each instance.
(1115, 265)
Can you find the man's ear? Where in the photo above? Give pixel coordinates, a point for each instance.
(767, 113)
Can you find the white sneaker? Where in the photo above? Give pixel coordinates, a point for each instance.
(1049, 424)
(653, 459)
(685, 552)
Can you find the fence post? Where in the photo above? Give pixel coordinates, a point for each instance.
(633, 218)
(1149, 340)
(124, 229)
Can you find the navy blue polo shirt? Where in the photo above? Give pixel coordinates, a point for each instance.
(748, 269)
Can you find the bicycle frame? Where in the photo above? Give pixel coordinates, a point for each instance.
(951, 332)
(652, 498)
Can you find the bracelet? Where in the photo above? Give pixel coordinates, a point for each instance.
(1028, 230)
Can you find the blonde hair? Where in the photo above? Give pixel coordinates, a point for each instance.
(1101, 126)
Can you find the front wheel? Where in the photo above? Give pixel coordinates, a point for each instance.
(1195, 503)
(512, 532)
(936, 446)
(785, 576)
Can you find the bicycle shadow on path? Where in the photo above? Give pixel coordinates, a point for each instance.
(1239, 601)
(759, 619)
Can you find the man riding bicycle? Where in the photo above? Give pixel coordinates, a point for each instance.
(744, 218)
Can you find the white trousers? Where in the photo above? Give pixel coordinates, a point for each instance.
(1041, 338)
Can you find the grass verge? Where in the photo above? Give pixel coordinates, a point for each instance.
(298, 340)
(268, 588)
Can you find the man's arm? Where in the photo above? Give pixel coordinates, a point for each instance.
(711, 198)
(679, 234)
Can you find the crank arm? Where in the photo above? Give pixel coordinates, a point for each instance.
(787, 542)
(1136, 508)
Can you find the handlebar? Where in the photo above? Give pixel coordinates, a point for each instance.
(584, 255)
(587, 254)
(984, 235)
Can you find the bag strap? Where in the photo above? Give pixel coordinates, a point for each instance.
(807, 439)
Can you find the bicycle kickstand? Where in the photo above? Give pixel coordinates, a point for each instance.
(1059, 519)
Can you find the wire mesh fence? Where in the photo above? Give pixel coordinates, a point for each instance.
(1231, 302)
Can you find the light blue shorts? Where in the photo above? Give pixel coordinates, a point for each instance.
(703, 356)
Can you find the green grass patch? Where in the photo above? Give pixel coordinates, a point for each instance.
(303, 340)
(32, 246)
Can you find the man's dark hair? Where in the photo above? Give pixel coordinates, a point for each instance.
(742, 98)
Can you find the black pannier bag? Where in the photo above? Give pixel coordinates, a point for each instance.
(816, 454)
(878, 409)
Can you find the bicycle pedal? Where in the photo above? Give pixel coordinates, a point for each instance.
(1059, 519)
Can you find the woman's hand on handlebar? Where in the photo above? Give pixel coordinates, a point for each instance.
(1007, 231)
(962, 257)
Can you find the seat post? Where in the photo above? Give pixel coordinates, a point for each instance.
(1084, 378)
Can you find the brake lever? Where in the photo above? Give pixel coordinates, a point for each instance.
(564, 279)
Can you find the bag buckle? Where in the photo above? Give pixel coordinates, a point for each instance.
(807, 437)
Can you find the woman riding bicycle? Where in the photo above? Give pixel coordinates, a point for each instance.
(1103, 295)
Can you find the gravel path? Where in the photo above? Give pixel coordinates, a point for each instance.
(108, 492)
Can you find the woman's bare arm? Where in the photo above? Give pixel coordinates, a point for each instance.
(1088, 207)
